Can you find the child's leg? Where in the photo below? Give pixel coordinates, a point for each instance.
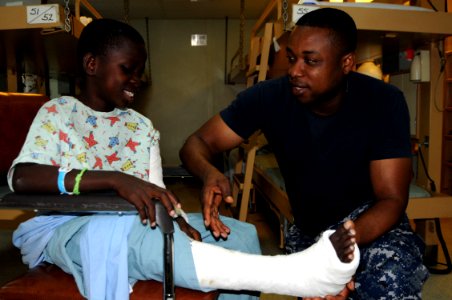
(243, 238)
(317, 271)
(314, 272)
(146, 256)
(146, 249)
(243, 235)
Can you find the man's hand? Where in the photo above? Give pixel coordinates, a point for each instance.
(215, 190)
(197, 155)
(343, 295)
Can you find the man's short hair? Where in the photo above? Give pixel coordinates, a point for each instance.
(342, 27)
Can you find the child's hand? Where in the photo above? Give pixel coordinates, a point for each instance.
(188, 229)
(140, 193)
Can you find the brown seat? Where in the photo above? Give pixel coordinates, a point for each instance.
(17, 112)
(48, 282)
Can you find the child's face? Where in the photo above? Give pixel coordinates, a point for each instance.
(117, 77)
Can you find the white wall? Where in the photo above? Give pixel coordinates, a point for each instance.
(187, 82)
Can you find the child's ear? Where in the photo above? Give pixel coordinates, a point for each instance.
(89, 64)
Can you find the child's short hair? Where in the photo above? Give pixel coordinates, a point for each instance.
(102, 35)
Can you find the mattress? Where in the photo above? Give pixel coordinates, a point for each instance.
(266, 161)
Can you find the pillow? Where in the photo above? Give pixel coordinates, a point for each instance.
(418, 192)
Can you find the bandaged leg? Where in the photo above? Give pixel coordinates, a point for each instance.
(317, 271)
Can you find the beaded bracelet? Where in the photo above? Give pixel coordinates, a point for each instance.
(61, 175)
(78, 178)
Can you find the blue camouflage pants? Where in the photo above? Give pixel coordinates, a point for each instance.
(390, 268)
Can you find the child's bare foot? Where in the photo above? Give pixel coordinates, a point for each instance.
(344, 241)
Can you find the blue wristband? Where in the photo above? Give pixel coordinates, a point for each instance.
(61, 175)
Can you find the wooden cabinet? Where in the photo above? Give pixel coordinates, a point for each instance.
(34, 42)
(446, 176)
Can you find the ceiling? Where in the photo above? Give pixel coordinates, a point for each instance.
(176, 9)
(182, 9)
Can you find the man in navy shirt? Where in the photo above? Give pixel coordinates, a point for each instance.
(342, 142)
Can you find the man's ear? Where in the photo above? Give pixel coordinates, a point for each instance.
(348, 62)
(89, 64)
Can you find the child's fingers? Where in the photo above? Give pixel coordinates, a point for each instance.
(150, 212)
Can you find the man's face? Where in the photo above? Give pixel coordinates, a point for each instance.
(316, 68)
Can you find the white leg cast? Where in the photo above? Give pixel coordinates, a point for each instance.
(317, 271)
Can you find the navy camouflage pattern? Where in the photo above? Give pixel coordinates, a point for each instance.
(390, 268)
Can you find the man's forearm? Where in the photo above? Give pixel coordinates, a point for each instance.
(378, 219)
(196, 157)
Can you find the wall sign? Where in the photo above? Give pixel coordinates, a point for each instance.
(199, 39)
(43, 14)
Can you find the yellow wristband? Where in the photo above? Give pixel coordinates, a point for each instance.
(78, 178)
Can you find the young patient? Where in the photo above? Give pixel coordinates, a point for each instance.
(322, 269)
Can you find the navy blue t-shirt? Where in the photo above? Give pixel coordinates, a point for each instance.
(325, 160)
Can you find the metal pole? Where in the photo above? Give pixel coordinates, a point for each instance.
(165, 223)
(168, 259)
